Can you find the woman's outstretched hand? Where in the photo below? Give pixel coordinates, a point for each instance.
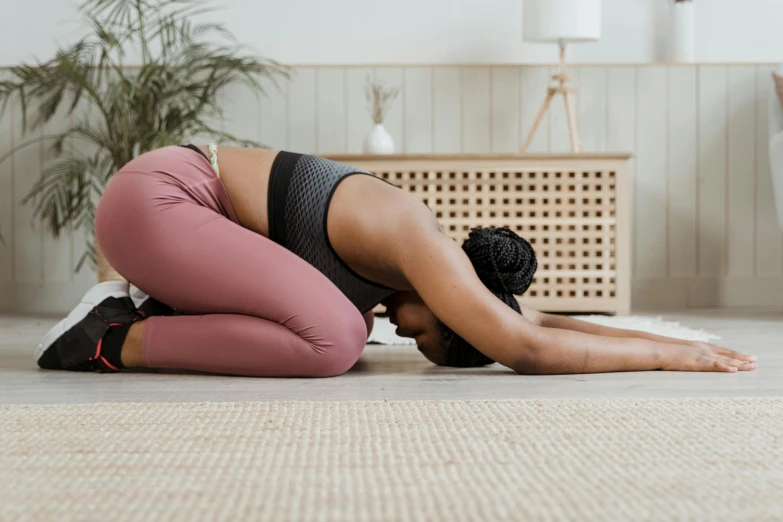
(703, 357)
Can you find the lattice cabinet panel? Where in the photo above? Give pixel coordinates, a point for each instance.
(573, 209)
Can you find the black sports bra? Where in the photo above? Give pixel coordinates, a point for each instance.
(300, 190)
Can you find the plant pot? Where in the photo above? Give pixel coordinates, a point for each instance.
(683, 39)
(105, 270)
(379, 141)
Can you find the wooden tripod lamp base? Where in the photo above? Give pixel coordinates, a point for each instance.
(560, 85)
(561, 22)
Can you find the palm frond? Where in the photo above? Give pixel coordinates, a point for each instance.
(60, 194)
(185, 68)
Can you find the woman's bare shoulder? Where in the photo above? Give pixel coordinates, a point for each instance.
(369, 224)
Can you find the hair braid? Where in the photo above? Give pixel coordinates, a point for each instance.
(506, 264)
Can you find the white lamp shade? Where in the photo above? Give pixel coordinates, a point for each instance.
(562, 20)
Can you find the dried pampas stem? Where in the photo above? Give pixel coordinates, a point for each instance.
(379, 99)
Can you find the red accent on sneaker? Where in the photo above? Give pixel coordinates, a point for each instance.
(98, 349)
(110, 365)
(98, 354)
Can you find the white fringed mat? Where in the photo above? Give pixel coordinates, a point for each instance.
(383, 331)
(654, 459)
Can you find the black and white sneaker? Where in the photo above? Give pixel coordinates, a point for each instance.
(75, 342)
(148, 306)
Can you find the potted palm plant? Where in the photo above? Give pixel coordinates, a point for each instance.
(169, 94)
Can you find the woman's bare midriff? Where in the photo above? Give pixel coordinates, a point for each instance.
(245, 174)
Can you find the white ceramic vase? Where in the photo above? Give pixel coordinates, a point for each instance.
(379, 141)
(683, 39)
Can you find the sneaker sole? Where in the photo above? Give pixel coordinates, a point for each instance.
(91, 299)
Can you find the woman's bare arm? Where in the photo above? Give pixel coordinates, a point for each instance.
(443, 276)
(576, 325)
(569, 323)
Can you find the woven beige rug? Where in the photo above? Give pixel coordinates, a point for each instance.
(715, 459)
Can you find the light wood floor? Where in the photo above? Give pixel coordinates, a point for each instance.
(400, 373)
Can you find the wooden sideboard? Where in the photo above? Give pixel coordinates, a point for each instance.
(573, 208)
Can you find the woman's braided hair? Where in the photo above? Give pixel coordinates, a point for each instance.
(505, 263)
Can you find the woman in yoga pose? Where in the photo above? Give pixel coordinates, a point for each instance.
(274, 262)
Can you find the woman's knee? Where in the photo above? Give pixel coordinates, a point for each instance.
(339, 347)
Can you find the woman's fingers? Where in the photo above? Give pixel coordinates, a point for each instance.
(719, 363)
(702, 357)
(739, 364)
(734, 355)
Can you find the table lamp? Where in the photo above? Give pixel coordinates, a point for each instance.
(561, 22)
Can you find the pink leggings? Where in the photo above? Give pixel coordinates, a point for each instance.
(166, 224)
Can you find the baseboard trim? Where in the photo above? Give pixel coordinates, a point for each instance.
(57, 298)
(701, 292)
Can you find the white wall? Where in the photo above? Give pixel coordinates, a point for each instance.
(432, 31)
